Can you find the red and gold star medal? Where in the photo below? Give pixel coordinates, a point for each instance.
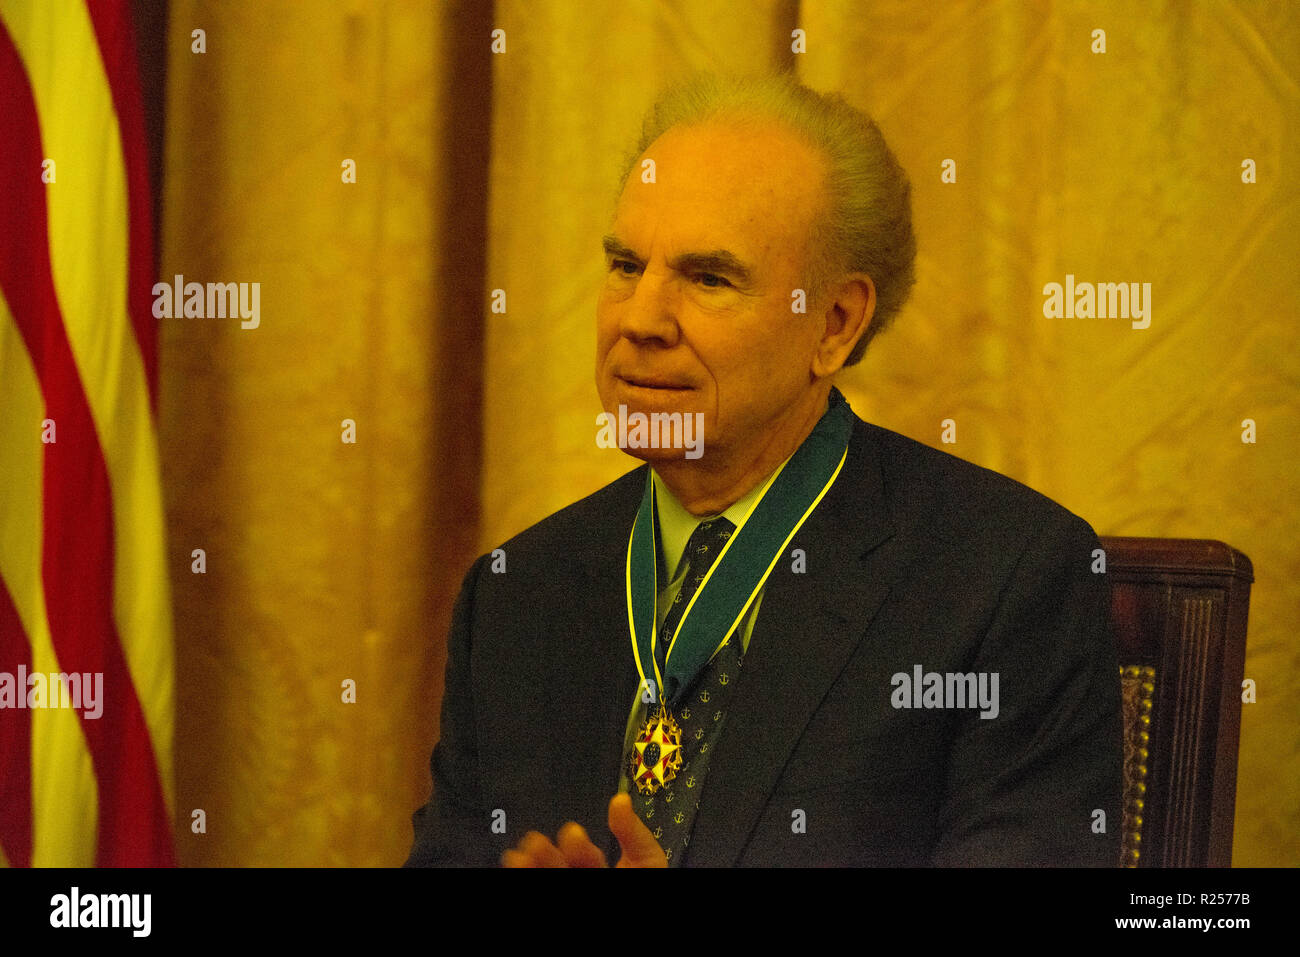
(657, 754)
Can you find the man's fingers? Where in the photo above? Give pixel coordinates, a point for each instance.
(534, 851)
(577, 848)
(542, 850)
(640, 849)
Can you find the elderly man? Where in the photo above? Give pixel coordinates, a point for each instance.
(811, 641)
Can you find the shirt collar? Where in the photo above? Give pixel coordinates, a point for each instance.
(676, 523)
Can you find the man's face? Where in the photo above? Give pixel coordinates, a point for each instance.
(695, 314)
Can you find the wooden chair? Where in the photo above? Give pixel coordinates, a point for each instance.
(1179, 608)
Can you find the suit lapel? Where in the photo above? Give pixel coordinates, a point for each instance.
(604, 677)
(808, 626)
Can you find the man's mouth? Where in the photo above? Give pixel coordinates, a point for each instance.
(654, 382)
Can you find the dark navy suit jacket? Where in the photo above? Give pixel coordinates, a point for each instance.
(914, 557)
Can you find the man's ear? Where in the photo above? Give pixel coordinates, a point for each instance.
(847, 312)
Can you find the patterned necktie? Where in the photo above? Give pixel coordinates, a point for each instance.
(702, 550)
(670, 812)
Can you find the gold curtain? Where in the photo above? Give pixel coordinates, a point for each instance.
(479, 171)
(326, 562)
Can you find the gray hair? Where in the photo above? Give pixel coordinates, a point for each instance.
(868, 225)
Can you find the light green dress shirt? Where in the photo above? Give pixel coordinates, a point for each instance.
(676, 525)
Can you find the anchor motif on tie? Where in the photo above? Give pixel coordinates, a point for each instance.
(723, 679)
(679, 817)
(717, 716)
(704, 697)
(659, 832)
(690, 782)
(668, 796)
(686, 714)
(699, 733)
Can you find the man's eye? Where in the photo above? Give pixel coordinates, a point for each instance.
(712, 280)
(623, 267)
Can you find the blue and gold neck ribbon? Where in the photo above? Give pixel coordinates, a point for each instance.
(739, 573)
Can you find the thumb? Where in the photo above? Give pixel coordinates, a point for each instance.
(640, 849)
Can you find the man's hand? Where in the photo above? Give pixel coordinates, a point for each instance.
(573, 848)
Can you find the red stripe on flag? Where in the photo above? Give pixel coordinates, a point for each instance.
(15, 742)
(77, 562)
(112, 20)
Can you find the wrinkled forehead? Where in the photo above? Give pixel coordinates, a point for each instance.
(752, 185)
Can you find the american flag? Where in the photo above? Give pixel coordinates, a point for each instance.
(83, 579)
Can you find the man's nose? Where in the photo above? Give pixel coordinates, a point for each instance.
(650, 313)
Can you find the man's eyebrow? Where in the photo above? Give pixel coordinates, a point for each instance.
(720, 261)
(614, 247)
